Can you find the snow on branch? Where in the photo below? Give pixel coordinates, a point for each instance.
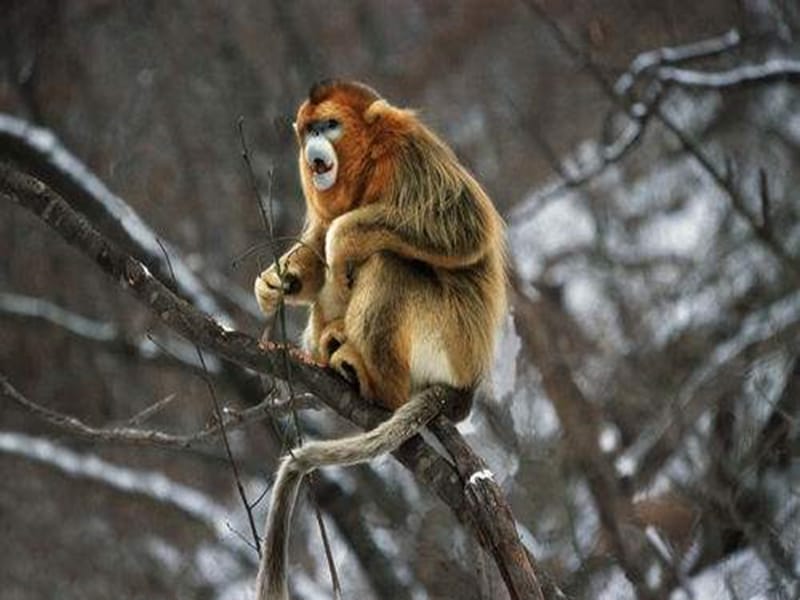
(102, 333)
(490, 524)
(649, 59)
(151, 484)
(42, 153)
(18, 305)
(778, 69)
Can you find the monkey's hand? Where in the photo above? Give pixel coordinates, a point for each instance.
(299, 278)
(271, 288)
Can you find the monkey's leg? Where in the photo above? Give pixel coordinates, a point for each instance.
(377, 329)
(348, 362)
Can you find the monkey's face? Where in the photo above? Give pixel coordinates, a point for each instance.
(334, 139)
(317, 142)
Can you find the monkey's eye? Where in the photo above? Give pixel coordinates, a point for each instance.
(326, 127)
(332, 129)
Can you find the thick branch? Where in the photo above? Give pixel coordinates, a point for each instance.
(540, 329)
(46, 157)
(486, 505)
(244, 350)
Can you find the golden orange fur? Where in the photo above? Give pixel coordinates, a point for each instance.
(412, 289)
(414, 251)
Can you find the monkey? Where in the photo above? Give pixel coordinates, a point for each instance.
(402, 265)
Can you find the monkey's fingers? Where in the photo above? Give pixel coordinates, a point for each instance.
(287, 282)
(268, 297)
(290, 283)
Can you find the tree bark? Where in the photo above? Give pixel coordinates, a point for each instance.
(503, 544)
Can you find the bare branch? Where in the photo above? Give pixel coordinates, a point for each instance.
(485, 499)
(766, 202)
(268, 221)
(131, 435)
(242, 349)
(778, 69)
(155, 408)
(536, 324)
(43, 154)
(221, 422)
(646, 61)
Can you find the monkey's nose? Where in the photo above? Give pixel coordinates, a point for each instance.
(320, 166)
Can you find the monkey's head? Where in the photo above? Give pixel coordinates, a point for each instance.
(336, 129)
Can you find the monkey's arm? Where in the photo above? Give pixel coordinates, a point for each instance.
(300, 276)
(450, 237)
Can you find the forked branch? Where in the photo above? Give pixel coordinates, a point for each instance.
(429, 467)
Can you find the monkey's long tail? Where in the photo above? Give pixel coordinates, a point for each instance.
(386, 437)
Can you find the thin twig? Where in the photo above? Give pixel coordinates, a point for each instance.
(766, 201)
(125, 435)
(430, 468)
(220, 419)
(146, 413)
(738, 203)
(258, 246)
(268, 220)
(337, 587)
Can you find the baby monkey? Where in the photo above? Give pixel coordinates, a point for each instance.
(402, 264)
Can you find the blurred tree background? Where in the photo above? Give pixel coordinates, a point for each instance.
(643, 420)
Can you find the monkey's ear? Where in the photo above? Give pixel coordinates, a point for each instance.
(376, 109)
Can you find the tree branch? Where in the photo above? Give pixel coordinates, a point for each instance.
(778, 69)
(536, 324)
(46, 157)
(130, 435)
(627, 104)
(102, 334)
(244, 350)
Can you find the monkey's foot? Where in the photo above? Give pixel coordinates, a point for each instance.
(333, 337)
(347, 362)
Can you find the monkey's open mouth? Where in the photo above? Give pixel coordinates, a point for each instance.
(322, 161)
(319, 166)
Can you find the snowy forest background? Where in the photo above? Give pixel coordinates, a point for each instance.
(643, 421)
